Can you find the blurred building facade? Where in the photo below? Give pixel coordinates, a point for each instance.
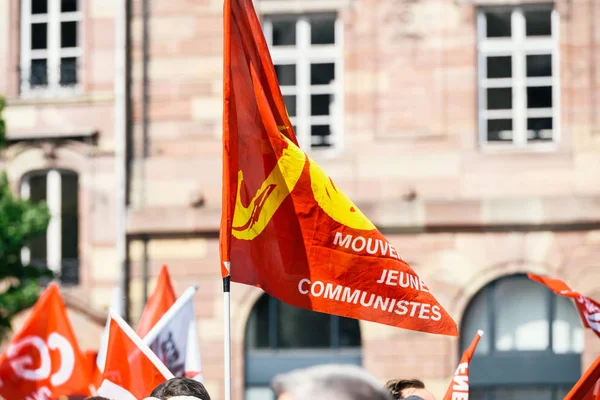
(467, 130)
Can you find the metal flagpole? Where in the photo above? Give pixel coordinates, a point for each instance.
(227, 330)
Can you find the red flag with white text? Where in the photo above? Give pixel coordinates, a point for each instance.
(459, 387)
(589, 310)
(43, 360)
(131, 370)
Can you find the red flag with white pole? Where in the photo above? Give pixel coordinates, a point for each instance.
(459, 387)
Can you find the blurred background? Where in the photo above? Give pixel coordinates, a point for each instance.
(468, 131)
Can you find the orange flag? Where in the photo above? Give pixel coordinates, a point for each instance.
(43, 360)
(587, 388)
(131, 371)
(589, 310)
(459, 388)
(286, 227)
(159, 302)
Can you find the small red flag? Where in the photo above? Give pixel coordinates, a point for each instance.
(589, 310)
(286, 227)
(44, 360)
(459, 387)
(158, 303)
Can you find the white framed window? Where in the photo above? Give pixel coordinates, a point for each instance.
(58, 250)
(519, 86)
(307, 54)
(50, 46)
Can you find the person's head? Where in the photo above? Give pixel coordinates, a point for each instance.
(328, 382)
(412, 389)
(180, 386)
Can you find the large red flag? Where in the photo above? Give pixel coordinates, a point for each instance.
(158, 303)
(459, 387)
(286, 227)
(43, 360)
(589, 310)
(131, 371)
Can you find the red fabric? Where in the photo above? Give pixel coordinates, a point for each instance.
(589, 310)
(587, 387)
(128, 366)
(44, 360)
(459, 387)
(158, 303)
(286, 227)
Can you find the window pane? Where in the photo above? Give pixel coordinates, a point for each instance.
(257, 328)
(539, 97)
(39, 73)
(68, 5)
(498, 24)
(521, 394)
(349, 332)
(539, 129)
(68, 71)
(567, 331)
(322, 74)
(539, 65)
(322, 31)
(499, 67)
(538, 23)
(284, 33)
(300, 328)
(499, 98)
(290, 104)
(68, 35)
(259, 393)
(70, 221)
(39, 36)
(499, 130)
(39, 6)
(521, 315)
(286, 74)
(476, 317)
(320, 136)
(37, 193)
(319, 104)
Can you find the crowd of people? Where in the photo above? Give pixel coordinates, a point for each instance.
(323, 382)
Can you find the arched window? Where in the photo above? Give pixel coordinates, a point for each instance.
(280, 338)
(59, 248)
(532, 344)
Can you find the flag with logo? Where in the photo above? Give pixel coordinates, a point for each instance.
(589, 310)
(131, 370)
(162, 298)
(286, 226)
(174, 340)
(588, 387)
(44, 360)
(459, 387)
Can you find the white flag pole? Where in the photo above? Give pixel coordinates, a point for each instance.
(227, 330)
(171, 312)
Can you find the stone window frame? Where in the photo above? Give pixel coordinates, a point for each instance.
(54, 234)
(53, 53)
(302, 55)
(518, 46)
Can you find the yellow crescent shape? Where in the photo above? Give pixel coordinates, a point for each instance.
(334, 202)
(249, 222)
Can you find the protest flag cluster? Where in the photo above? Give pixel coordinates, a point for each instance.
(43, 360)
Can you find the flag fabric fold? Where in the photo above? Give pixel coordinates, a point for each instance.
(162, 298)
(131, 370)
(587, 388)
(459, 387)
(174, 338)
(589, 309)
(44, 360)
(286, 226)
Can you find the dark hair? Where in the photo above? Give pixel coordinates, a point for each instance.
(180, 386)
(396, 386)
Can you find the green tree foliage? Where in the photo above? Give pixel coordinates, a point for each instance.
(20, 221)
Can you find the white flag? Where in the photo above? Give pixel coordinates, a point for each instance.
(174, 340)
